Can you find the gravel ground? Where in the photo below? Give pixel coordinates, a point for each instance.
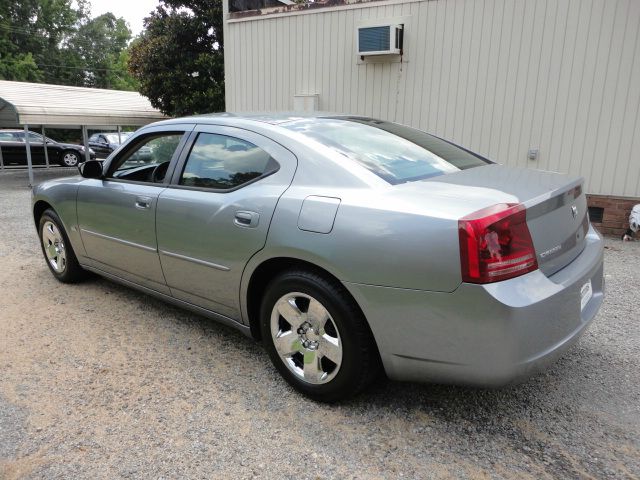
(99, 381)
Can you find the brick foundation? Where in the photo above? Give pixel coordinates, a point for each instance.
(615, 218)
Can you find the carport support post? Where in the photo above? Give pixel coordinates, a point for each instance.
(1, 159)
(119, 138)
(85, 142)
(44, 144)
(29, 163)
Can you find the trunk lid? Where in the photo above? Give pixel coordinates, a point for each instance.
(556, 207)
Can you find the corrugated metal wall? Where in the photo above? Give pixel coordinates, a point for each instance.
(497, 76)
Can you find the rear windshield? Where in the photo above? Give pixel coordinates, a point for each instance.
(395, 153)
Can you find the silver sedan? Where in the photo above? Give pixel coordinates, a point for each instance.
(349, 246)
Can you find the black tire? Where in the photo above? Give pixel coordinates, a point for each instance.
(67, 156)
(69, 270)
(360, 362)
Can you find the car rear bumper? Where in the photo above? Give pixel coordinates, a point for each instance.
(484, 335)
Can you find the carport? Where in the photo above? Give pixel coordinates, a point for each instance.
(56, 106)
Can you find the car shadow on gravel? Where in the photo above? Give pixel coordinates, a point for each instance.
(554, 389)
(500, 400)
(177, 316)
(579, 370)
(446, 401)
(546, 421)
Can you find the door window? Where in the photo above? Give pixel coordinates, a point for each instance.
(147, 160)
(34, 137)
(222, 162)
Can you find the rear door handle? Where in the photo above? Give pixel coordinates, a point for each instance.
(247, 219)
(143, 202)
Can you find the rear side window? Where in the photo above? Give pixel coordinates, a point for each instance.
(222, 162)
(396, 153)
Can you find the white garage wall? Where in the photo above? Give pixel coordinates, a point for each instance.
(497, 76)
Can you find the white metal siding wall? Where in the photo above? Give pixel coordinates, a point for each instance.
(496, 76)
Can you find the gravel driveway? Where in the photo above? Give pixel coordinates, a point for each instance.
(99, 381)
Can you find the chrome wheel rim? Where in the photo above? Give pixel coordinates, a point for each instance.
(306, 338)
(54, 247)
(70, 159)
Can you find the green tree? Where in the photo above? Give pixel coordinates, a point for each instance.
(31, 32)
(99, 48)
(179, 58)
(20, 67)
(55, 41)
(119, 76)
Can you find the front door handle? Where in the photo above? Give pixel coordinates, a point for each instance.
(247, 219)
(143, 203)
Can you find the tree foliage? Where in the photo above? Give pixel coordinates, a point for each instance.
(19, 66)
(179, 59)
(101, 44)
(56, 41)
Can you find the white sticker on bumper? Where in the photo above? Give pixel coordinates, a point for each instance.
(586, 292)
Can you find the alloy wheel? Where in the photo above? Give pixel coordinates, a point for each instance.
(54, 247)
(306, 338)
(70, 159)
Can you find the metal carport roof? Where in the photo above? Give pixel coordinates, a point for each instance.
(24, 103)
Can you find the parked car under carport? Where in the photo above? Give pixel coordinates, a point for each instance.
(14, 150)
(104, 143)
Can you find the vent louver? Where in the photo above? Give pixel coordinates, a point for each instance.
(380, 40)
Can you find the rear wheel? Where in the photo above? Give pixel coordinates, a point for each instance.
(57, 249)
(70, 158)
(317, 337)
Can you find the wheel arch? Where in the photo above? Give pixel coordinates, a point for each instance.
(39, 208)
(59, 196)
(270, 268)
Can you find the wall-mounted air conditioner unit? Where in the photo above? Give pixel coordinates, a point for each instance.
(380, 40)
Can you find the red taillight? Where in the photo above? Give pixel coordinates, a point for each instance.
(495, 244)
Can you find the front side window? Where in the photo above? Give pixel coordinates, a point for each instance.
(222, 162)
(148, 160)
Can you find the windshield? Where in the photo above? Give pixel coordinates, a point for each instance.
(20, 137)
(113, 137)
(396, 153)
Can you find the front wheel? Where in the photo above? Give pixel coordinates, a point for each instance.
(57, 250)
(70, 158)
(317, 337)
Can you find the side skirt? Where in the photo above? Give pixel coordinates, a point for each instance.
(174, 301)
